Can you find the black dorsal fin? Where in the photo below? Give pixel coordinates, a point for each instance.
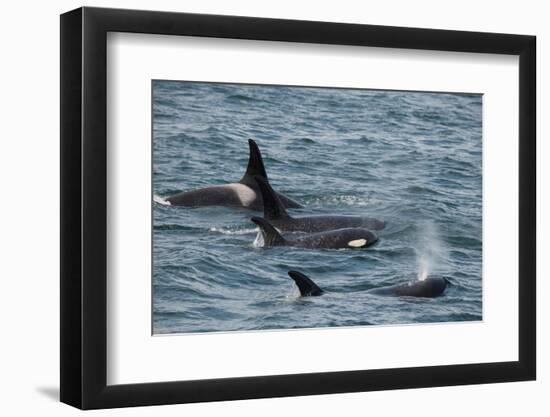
(306, 286)
(271, 236)
(255, 166)
(274, 208)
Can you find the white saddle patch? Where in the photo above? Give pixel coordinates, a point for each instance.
(245, 194)
(357, 243)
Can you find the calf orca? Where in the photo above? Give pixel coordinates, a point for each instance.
(244, 193)
(275, 212)
(350, 238)
(430, 287)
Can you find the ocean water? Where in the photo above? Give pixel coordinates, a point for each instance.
(412, 159)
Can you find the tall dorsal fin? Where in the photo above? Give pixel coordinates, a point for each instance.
(306, 286)
(273, 206)
(271, 236)
(255, 166)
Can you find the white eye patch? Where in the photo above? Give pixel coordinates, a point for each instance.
(357, 243)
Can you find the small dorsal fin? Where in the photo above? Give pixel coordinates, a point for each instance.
(271, 236)
(274, 208)
(255, 164)
(306, 286)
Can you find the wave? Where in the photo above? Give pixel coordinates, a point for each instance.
(422, 189)
(347, 200)
(242, 97)
(225, 231)
(171, 226)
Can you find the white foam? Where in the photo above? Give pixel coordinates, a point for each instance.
(347, 200)
(160, 200)
(233, 232)
(259, 241)
(294, 295)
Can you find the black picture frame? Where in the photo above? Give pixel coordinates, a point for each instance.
(84, 207)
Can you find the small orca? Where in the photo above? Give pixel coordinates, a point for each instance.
(432, 286)
(244, 193)
(306, 286)
(275, 212)
(350, 238)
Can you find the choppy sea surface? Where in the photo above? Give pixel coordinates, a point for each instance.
(412, 159)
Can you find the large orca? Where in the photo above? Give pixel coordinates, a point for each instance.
(430, 287)
(245, 193)
(351, 238)
(275, 212)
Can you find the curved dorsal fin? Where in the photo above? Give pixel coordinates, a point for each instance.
(255, 166)
(271, 236)
(306, 286)
(273, 206)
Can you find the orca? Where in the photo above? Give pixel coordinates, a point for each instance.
(432, 286)
(275, 212)
(306, 286)
(245, 193)
(350, 238)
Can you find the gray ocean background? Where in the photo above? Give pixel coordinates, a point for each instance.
(413, 159)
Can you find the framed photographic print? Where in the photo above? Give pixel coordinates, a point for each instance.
(258, 207)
